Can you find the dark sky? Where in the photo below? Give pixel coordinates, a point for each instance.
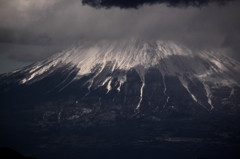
(34, 29)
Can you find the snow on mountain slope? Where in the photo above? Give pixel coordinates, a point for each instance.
(211, 68)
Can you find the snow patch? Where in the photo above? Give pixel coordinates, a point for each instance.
(141, 95)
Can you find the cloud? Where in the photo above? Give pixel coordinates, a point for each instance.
(139, 3)
(64, 22)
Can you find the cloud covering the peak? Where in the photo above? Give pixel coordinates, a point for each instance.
(61, 23)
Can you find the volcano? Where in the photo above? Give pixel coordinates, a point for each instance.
(162, 91)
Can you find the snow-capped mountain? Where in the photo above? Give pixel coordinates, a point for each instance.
(138, 75)
(153, 96)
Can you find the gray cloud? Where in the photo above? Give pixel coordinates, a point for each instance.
(59, 22)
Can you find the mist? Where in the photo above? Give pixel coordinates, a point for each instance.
(60, 24)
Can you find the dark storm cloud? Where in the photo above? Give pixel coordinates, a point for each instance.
(138, 3)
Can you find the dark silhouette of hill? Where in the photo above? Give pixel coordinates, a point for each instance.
(8, 153)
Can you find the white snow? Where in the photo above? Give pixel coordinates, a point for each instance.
(184, 83)
(164, 92)
(209, 94)
(109, 86)
(121, 81)
(141, 95)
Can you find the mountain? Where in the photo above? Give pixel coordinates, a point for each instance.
(179, 93)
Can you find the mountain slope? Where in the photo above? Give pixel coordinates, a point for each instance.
(107, 65)
(146, 98)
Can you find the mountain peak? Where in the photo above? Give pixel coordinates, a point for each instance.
(169, 57)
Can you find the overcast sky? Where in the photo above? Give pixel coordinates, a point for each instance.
(34, 29)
